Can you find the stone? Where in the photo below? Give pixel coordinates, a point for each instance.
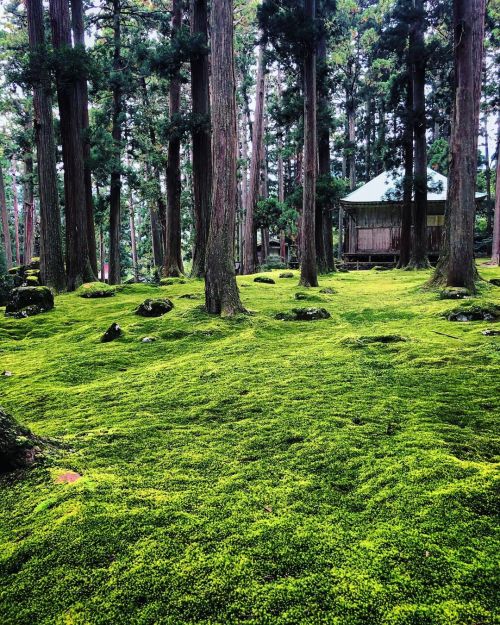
(495, 281)
(154, 307)
(7, 374)
(113, 332)
(328, 291)
(303, 314)
(190, 296)
(69, 477)
(287, 274)
(486, 312)
(148, 339)
(381, 268)
(264, 280)
(91, 290)
(26, 301)
(301, 296)
(454, 292)
(490, 332)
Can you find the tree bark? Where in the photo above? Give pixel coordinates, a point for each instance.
(308, 268)
(157, 208)
(78, 267)
(405, 237)
(250, 243)
(221, 291)
(77, 23)
(456, 265)
(52, 271)
(323, 238)
(15, 204)
(495, 253)
(172, 264)
(201, 137)
(418, 256)
(5, 222)
(116, 132)
(28, 207)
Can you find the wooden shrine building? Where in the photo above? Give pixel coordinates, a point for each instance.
(372, 217)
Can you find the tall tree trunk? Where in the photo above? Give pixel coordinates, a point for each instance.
(201, 137)
(28, 207)
(133, 238)
(323, 164)
(51, 255)
(172, 264)
(78, 265)
(15, 204)
(116, 131)
(495, 253)
(5, 222)
(487, 175)
(157, 208)
(456, 265)
(369, 122)
(351, 137)
(221, 291)
(77, 23)
(308, 268)
(405, 237)
(418, 256)
(250, 244)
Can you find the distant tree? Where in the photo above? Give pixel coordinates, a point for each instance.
(221, 291)
(7, 245)
(250, 244)
(456, 265)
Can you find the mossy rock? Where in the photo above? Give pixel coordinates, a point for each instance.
(484, 312)
(328, 291)
(113, 332)
(454, 292)
(264, 280)
(34, 263)
(190, 296)
(490, 332)
(93, 290)
(26, 301)
(32, 280)
(495, 281)
(18, 446)
(307, 296)
(303, 314)
(32, 272)
(287, 274)
(172, 281)
(154, 307)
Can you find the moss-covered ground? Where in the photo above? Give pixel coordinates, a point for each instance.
(255, 471)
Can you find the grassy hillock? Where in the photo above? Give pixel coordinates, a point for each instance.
(255, 471)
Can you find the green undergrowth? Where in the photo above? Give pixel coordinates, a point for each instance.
(255, 471)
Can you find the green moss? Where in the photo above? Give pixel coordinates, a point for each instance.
(93, 290)
(255, 471)
(171, 281)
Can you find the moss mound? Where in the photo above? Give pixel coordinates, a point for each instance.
(93, 290)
